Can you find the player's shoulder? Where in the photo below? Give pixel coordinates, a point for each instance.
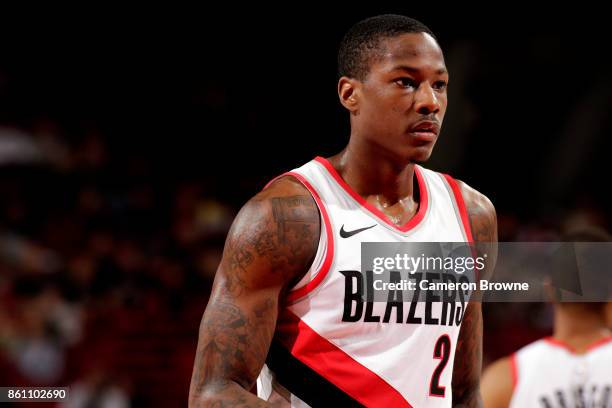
(499, 369)
(481, 212)
(535, 346)
(284, 186)
(276, 233)
(474, 199)
(497, 383)
(283, 200)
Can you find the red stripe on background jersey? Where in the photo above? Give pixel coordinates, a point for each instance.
(562, 344)
(514, 373)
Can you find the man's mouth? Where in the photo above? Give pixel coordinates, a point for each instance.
(425, 126)
(425, 131)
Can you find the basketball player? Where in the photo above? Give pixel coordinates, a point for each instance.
(282, 309)
(573, 368)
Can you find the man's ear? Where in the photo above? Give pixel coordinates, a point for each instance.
(349, 93)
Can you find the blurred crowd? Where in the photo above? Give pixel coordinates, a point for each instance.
(105, 269)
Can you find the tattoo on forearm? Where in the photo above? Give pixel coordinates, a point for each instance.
(468, 361)
(232, 345)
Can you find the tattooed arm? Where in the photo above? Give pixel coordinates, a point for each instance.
(468, 355)
(270, 246)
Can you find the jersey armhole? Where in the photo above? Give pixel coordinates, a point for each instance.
(465, 221)
(324, 256)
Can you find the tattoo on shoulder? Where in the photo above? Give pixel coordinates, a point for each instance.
(293, 214)
(482, 222)
(286, 241)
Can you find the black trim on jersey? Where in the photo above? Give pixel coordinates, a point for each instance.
(303, 382)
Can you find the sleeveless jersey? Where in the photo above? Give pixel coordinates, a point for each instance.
(548, 373)
(319, 359)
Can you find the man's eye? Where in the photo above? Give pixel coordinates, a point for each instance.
(440, 85)
(405, 82)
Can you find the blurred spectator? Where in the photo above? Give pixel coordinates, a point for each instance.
(96, 390)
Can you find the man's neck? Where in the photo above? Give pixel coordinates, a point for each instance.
(579, 328)
(384, 181)
(370, 172)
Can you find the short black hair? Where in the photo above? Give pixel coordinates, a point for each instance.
(361, 44)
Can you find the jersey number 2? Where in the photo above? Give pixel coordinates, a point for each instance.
(442, 353)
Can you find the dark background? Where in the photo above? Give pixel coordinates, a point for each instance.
(129, 141)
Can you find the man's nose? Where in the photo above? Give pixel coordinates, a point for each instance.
(426, 101)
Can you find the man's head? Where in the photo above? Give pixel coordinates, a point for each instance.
(393, 81)
(584, 233)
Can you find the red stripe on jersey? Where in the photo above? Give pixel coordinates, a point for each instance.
(410, 224)
(320, 275)
(562, 344)
(324, 269)
(559, 343)
(461, 206)
(599, 343)
(514, 372)
(335, 365)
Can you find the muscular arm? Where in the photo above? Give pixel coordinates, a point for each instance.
(269, 247)
(468, 356)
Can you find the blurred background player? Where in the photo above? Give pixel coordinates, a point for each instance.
(572, 368)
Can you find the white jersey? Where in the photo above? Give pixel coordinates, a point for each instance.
(327, 352)
(548, 373)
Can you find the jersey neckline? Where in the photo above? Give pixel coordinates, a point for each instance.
(408, 225)
(559, 343)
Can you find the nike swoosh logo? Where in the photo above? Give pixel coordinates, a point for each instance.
(348, 234)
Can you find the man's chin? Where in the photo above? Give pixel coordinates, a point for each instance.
(419, 161)
(420, 155)
(410, 154)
